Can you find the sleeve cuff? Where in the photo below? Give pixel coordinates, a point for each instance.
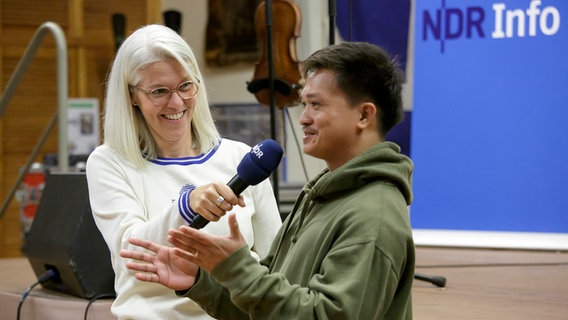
(184, 208)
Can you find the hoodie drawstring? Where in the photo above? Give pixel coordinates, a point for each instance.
(308, 205)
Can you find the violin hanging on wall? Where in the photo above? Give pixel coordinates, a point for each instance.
(278, 62)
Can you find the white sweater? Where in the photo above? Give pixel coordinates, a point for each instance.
(143, 203)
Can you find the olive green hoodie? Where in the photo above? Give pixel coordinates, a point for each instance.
(345, 252)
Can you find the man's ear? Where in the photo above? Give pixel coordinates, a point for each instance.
(368, 114)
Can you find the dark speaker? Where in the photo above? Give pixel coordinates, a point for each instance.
(64, 238)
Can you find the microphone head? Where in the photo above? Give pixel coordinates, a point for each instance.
(259, 163)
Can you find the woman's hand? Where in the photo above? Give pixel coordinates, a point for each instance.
(213, 200)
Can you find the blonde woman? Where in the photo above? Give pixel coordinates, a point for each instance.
(162, 162)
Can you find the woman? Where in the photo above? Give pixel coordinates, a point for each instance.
(161, 163)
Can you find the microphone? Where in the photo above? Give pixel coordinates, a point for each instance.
(255, 166)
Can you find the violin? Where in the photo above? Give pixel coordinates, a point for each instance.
(286, 74)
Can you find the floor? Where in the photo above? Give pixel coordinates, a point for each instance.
(480, 284)
(492, 284)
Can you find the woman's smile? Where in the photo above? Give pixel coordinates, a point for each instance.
(176, 116)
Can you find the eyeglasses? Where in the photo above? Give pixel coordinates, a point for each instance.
(162, 95)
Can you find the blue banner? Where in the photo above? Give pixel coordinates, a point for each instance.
(382, 22)
(490, 111)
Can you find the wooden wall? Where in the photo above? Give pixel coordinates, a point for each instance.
(90, 41)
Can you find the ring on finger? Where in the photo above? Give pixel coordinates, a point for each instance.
(219, 200)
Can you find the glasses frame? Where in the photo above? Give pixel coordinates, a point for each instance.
(171, 91)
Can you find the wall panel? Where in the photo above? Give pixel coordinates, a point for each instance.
(90, 51)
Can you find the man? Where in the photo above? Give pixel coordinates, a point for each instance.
(346, 250)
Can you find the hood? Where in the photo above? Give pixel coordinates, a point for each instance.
(382, 161)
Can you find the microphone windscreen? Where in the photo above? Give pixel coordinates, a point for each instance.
(259, 163)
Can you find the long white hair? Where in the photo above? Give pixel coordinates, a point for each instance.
(125, 129)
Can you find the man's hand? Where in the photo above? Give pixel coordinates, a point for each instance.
(205, 249)
(165, 265)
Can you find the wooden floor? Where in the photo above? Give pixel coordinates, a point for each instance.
(480, 284)
(492, 284)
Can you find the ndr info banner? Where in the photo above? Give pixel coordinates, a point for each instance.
(490, 115)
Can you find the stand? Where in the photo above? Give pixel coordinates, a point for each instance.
(438, 281)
